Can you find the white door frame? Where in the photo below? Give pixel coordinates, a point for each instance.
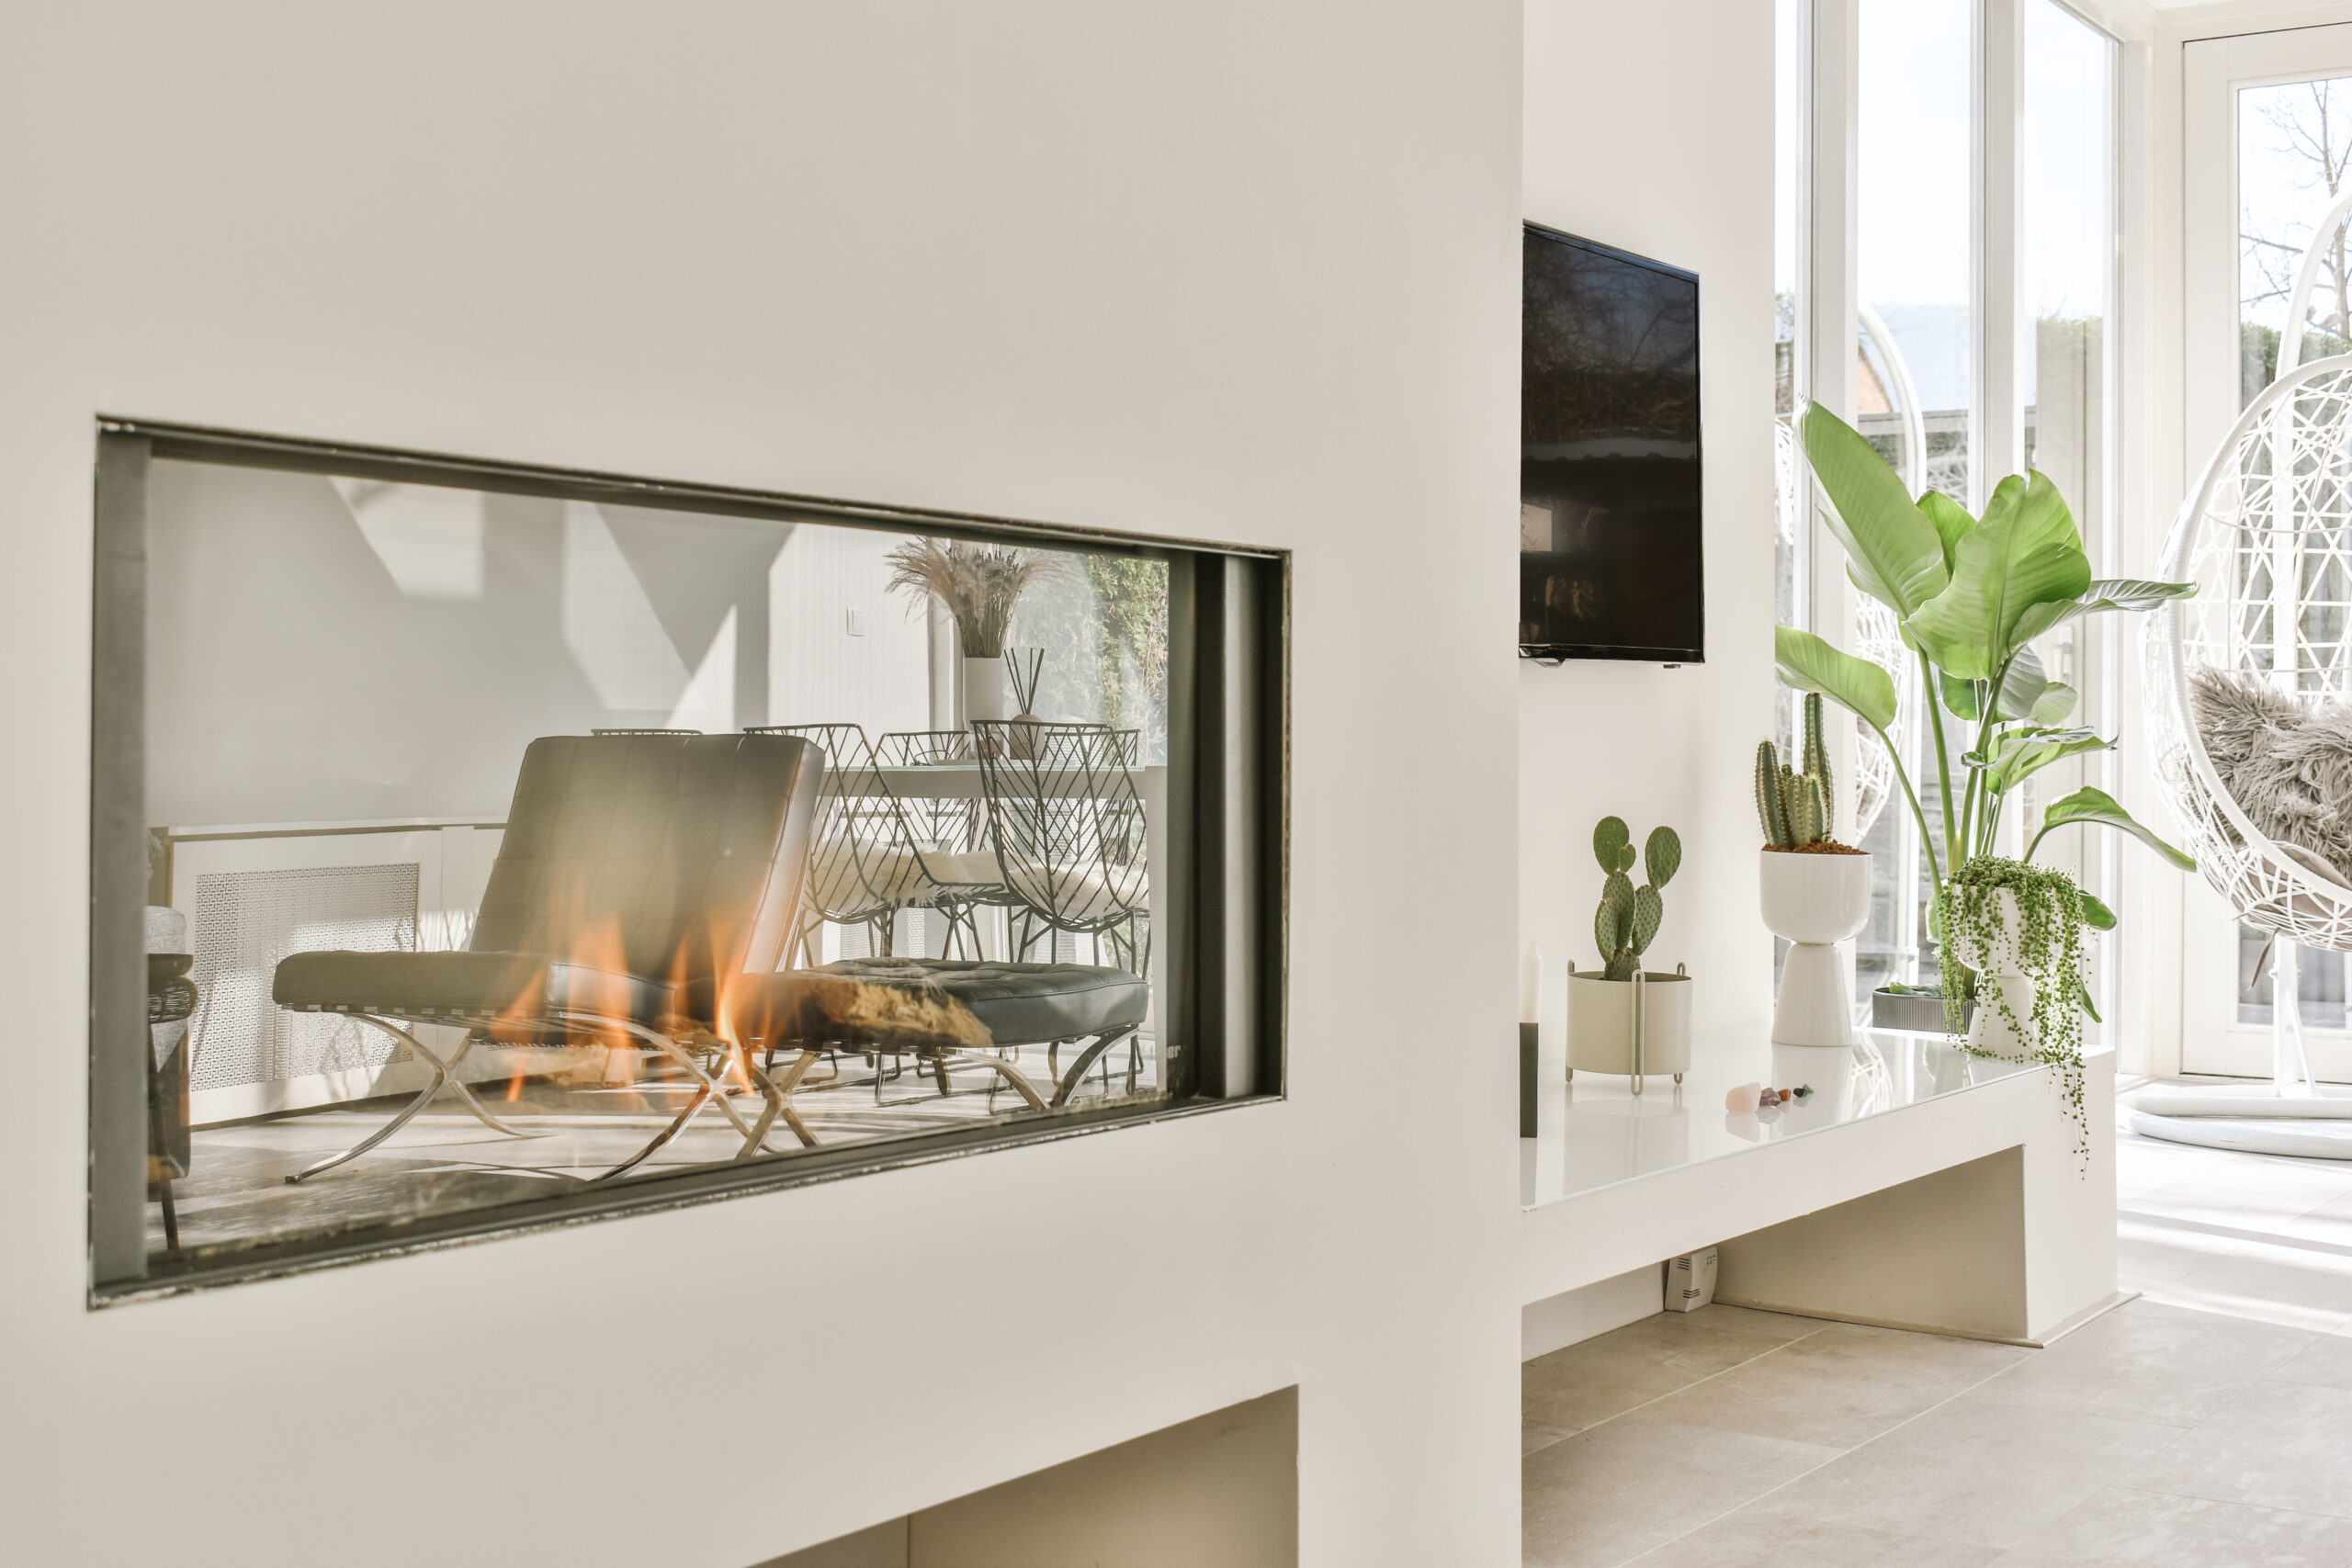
(2213, 70)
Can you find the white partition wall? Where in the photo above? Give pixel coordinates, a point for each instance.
(1241, 272)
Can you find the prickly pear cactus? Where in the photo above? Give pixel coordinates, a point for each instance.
(1627, 921)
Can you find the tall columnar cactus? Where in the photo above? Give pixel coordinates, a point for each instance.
(1628, 917)
(1797, 809)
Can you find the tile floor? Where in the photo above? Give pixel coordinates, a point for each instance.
(2206, 1424)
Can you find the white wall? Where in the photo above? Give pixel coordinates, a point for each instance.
(1649, 126)
(1235, 270)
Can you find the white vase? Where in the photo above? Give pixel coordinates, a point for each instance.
(1601, 1037)
(1815, 901)
(987, 690)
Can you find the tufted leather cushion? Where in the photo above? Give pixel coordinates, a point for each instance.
(1019, 1004)
(424, 985)
(1013, 1004)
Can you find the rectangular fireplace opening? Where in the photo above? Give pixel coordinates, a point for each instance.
(477, 847)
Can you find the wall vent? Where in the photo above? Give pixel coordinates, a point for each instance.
(247, 920)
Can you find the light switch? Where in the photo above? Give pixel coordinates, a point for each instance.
(857, 623)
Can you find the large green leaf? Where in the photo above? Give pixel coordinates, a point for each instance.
(1894, 553)
(1951, 520)
(1810, 664)
(2021, 753)
(1959, 696)
(2025, 552)
(2028, 693)
(2021, 686)
(2105, 593)
(2088, 804)
(2095, 914)
(2056, 701)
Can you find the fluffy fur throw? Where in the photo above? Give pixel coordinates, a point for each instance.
(2287, 762)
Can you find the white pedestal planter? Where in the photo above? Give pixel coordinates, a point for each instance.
(1815, 901)
(1633, 1027)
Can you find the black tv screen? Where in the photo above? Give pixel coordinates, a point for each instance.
(1608, 456)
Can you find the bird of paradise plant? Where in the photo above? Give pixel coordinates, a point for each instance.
(1971, 594)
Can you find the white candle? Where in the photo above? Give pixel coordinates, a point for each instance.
(1530, 983)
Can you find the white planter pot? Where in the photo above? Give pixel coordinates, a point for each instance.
(2001, 957)
(1815, 901)
(987, 690)
(1602, 1036)
(1996, 966)
(1990, 1030)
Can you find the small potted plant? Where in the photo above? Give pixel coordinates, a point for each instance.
(1622, 1017)
(2018, 928)
(1815, 891)
(980, 585)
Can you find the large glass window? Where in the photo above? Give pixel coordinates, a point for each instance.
(1916, 284)
(507, 845)
(2067, 277)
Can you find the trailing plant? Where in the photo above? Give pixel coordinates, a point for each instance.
(1627, 920)
(1971, 595)
(1798, 809)
(980, 585)
(2048, 944)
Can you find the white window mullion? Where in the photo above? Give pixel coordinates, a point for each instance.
(1996, 418)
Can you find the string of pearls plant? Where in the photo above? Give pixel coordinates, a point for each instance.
(2047, 945)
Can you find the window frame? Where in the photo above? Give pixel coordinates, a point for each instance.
(1225, 937)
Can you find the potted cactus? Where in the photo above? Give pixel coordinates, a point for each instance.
(1815, 891)
(1622, 1018)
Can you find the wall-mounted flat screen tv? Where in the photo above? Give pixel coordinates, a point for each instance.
(1608, 456)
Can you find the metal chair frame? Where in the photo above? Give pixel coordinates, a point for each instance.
(1067, 826)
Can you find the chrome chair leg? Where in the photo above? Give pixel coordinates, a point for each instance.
(443, 1073)
(1087, 1058)
(706, 1090)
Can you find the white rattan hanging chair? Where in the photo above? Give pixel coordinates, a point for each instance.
(2267, 537)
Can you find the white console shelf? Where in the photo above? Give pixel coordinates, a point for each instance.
(1917, 1188)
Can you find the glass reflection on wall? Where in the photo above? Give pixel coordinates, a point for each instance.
(527, 790)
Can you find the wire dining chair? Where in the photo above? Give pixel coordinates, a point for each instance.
(1067, 826)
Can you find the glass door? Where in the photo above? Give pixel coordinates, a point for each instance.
(2268, 153)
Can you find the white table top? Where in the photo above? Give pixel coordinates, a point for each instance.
(1593, 1132)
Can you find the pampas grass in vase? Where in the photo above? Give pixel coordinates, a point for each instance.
(980, 585)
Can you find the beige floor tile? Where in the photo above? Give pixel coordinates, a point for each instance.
(1742, 1540)
(2251, 1195)
(2328, 1362)
(1841, 1387)
(2147, 1259)
(2150, 1529)
(1972, 1470)
(1572, 1388)
(2268, 1285)
(2278, 1445)
(2142, 1165)
(1533, 1435)
(1612, 1492)
(2145, 1363)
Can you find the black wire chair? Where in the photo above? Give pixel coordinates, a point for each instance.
(1068, 830)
